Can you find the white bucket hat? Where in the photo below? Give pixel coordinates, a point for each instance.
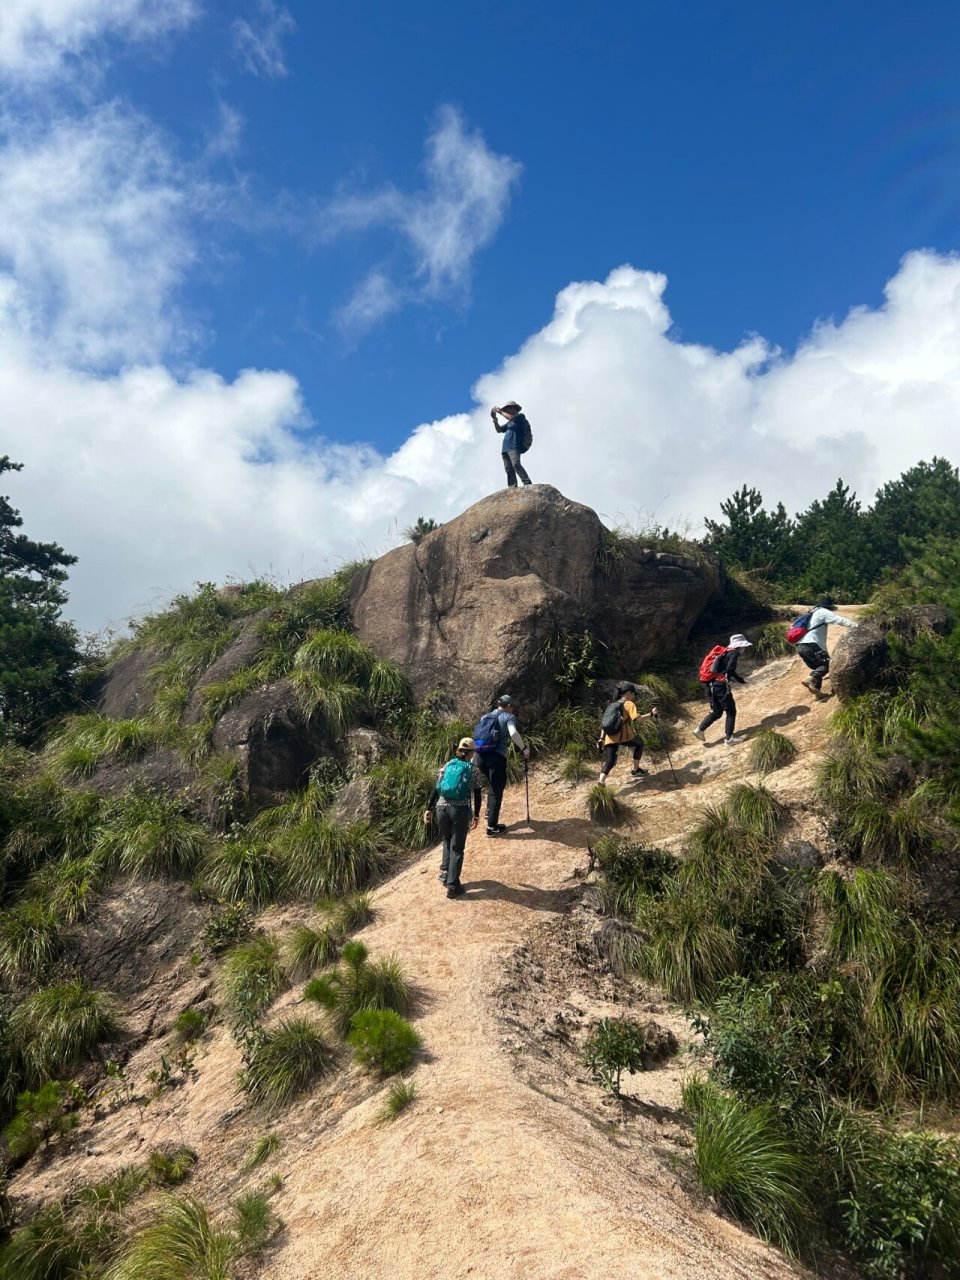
(740, 642)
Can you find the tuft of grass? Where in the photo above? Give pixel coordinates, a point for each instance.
(254, 1223)
(746, 1159)
(354, 912)
(238, 870)
(607, 809)
(189, 1024)
(657, 691)
(145, 834)
(286, 1061)
(325, 859)
(848, 775)
(59, 1026)
(770, 750)
(402, 785)
(252, 976)
(573, 767)
(168, 1167)
(359, 983)
(311, 949)
(29, 940)
(328, 700)
(401, 1095)
(261, 1151)
(382, 1041)
(566, 724)
(757, 810)
(181, 1244)
(685, 947)
(770, 641)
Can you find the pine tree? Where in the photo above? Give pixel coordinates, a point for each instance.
(924, 503)
(834, 548)
(752, 538)
(38, 651)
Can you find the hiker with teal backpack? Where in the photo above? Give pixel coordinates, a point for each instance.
(450, 803)
(717, 670)
(517, 439)
(492, 735)
(809, 634)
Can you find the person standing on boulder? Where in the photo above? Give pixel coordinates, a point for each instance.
(723, 669)
(493, 734)
(516, 440)
(626, 735)
(813, 647)
(450, 803)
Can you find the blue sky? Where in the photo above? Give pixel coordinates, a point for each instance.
(263, 264)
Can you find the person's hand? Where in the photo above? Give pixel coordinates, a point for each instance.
(473, 824)
(599, 744)
(653, 712)
(426, 818)
(526, 753)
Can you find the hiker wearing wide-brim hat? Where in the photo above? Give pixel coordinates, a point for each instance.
(812, 647)
(722, 670)
(517, 438)
(450, 803)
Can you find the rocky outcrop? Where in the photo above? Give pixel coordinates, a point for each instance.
(861, 659)
(481, 604)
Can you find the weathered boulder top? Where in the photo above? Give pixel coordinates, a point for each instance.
(476, 608)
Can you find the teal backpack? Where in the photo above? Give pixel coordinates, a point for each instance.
(454, 784)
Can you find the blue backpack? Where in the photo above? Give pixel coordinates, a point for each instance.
(486, 732)
(455, 781)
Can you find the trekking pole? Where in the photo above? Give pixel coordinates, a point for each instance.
(663, 743)
(526, 779)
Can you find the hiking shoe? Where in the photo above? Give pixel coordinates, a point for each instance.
(442, 877)
(814, 688)
(493, 831)
(502, 826)
(456, 890)
(698, 733)
(639, 773)
(734, 740)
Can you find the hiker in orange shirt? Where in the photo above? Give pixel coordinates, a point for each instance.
(610, 741)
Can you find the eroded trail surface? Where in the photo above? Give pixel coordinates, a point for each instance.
(496, 1170)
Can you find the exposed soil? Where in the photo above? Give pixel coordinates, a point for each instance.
(511, 1162)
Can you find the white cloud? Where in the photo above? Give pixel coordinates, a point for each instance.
(156, 482)
(38, 36)
(370, 303)
(461, 206)
(259, 43)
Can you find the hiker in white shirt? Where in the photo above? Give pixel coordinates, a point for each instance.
(813, 647)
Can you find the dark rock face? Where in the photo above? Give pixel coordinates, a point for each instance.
(357, 802)
(125, 692)
(799, 855)
(365, 748)
(470, 609)
(243, 651)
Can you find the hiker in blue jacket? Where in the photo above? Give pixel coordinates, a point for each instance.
(450, 803)
(813, 647)
(512, 432)
(493, 734)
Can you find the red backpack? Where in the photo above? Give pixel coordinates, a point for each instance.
(706, 675)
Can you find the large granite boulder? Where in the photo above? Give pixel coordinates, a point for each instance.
(861, 659)
(474, 608)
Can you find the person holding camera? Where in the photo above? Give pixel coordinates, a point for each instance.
(516, 440)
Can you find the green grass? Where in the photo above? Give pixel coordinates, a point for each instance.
(770, 641)
(181, 1244)
(145, 834)
(252, 976)
(169, 1166)
(746, 1159)
(770, 750)
(573, 766)
(70, 886)
(655, 690)
(87, 740)
(401, 1095)
(359, 983)
(566, 724)
(402, 787)
(287, 1060)
(311, 949)
(242, 870)
(29, 940)
(326, 859)
(355, 912)
(189, 1024)
(685, 947)
(59, 1026)
(863, 915)
(382, 1041)
(757, 810)
(262, 1150)
(217, 698)
(328, 700)
(605, 807)
(254, 1223)
(848, 775)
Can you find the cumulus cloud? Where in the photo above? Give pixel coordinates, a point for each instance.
(37, 37)
(459, 209)
(258, 43)
(157, 481)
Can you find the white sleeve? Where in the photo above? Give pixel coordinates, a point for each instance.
(515, 736)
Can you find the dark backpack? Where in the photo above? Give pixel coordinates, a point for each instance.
(707, 673)
(454, 783)
(486, 732)
(798, 628)
(525, 438)
(612, 721)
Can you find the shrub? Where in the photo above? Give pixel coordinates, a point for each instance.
(402, 1093)
(41, 1115)
(251, 976)
(227, 926)
(286, 1061)
(632, 875)
(607, 809)
(382, 1041)
(241, 871)
(254, 1222)
(182, 1244)
(770, 750)
(169, 1166)
(353, 913)
(746, 1159)
(359, 984)
(58, 1026)
(262, 1150)
(757, 810)
(189, 1024)
(312, 949)
(147, 835)
(324, 859)
(616, 1045)
(29, 940)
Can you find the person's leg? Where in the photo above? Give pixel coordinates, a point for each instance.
(730, 707)
(498, 781)
(818, 661)
(508, 468)
(460, 823)
(445, 828)
(518, 466)
(637, 757)
(610, 752)
(715, 712)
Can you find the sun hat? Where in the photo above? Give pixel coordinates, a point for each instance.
(511, 404)
(740, 642)
(466, 744)
(825, 602)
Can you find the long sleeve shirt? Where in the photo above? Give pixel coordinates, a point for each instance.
(512, 432)
(724, 666)
(508, 733)
(478, 783)
(820, 619)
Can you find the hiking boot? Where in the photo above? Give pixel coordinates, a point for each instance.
(814, 688)
(698, 733)
(456, 890)
(493, 831)
(734, 740)
(639, 773)
(502, 826)
(442, 877)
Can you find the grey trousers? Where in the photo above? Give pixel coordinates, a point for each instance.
(453, 823)
(817, 659)
(514, 467)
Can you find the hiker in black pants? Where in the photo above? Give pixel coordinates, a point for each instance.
(627, 735)
(722, 702)
(450, 803)
(813, 647)
(493, 734)
(512, 432)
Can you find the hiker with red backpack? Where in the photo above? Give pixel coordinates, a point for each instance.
(450, 803)
(619, 728)
(517, 439)
(492, 735)
(717, 670)
(809, 634)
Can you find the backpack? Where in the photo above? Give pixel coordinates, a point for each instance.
(526, 438)
(798, 628)
(454, 783)
(612, 721)
(486, 732)
(707, 674)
